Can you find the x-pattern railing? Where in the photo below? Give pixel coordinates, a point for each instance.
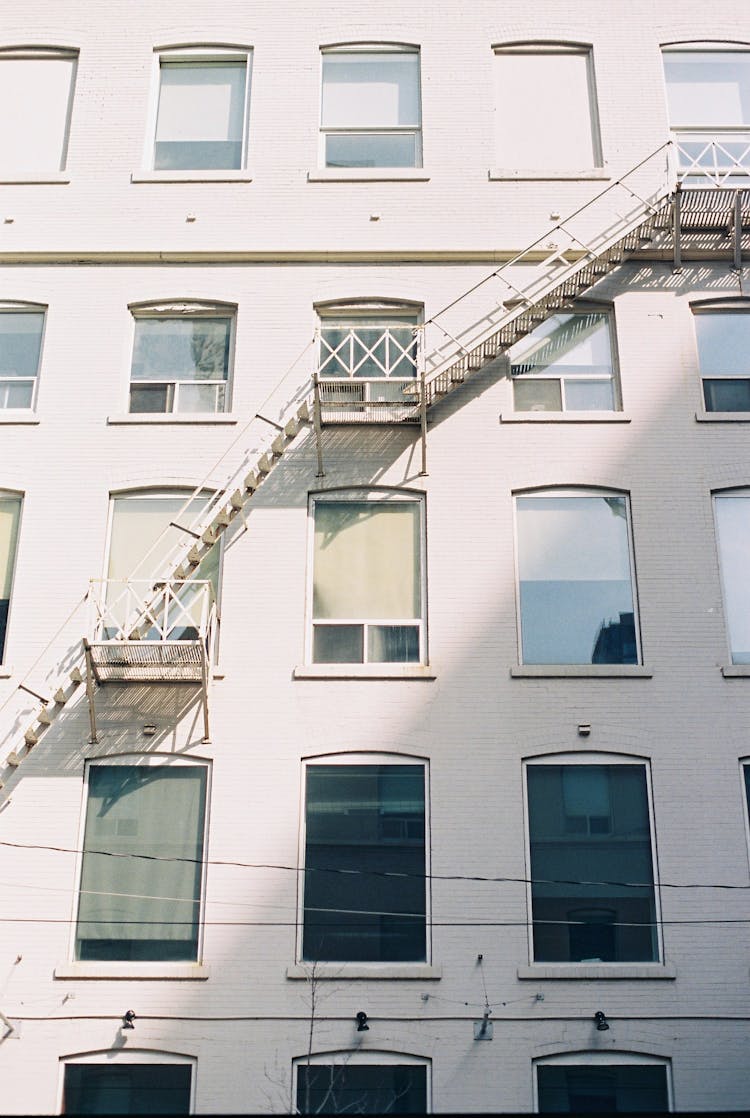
(704, 159)
(148, 611)
(353, 353)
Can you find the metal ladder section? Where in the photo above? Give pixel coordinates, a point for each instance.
(632, 212)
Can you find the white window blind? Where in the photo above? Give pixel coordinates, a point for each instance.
(35, 93)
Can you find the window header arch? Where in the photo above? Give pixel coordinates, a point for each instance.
(542, 46)
(370, 45)
(174, 307)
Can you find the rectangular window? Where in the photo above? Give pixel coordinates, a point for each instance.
(733, 530)
(724, 358)
(20, 347)
(124, 1088)
(367, 601)
(529, 134)
(141, 876)
(10, 515)
(349, 1088)
(39, 87)
(601, 1088)
(592, 892)
(708, 97)
(566, 364)
(365, 864)
(180, 364)
(370, 114)
(577, 601)
(202, 113)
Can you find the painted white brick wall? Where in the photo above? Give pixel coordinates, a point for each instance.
(275, 247)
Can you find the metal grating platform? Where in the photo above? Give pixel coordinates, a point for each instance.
(148, 662)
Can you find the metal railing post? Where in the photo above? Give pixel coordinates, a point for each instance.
(422, 400)
(317, 425)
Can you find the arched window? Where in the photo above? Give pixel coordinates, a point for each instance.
(21, 328)
(182, 357)
(371, 106)
(367, 586)
(201, 112)
(732, 511)
(141, 887)
(722, 332)
(38, 82)
(576, 589)
(591, 862)
(602, 1083)
(131, 1081)
(361, 1083)
(708, 101)
(530, 137)
(365, 849)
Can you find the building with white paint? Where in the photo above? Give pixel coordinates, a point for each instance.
(374, 552)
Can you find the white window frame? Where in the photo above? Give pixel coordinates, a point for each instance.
(416, 131)
(601, 1059)
(540, 48)
(364, 759)
(184, 309)
(195, 55)
(580, 309)
(718, 307)
(376, 494)
(342, 314)
(39, 53)
(745, 797)
(10, 494)
(717, 173)
(147, 760)
(127, 1056)
(579, 491)
(606, 759)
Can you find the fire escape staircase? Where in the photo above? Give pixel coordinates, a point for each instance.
(163, 630)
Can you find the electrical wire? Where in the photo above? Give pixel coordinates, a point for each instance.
(500, 880)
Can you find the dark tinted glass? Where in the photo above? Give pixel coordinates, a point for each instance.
(127, 1089)
(602, 1089)
(369, 819)
(363, 1089)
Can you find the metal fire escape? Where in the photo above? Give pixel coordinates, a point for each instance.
(684, 200)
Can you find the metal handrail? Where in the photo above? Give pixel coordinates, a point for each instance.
(150, 611)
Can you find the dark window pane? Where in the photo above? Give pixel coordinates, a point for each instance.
(602, 1088)
(369, 819)
(590, 823)
(150, 398)
(362, 1089)
(362, 150)
(4, 607)
(127, 1089)
(727, 395)
(338, 644)
(746, 771)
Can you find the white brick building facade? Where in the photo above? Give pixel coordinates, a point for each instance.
(278, 246)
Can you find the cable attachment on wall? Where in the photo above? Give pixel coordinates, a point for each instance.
(483, 1029)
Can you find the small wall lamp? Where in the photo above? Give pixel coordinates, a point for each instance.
(601, 1021)
(361, 1019)
(128, 1018)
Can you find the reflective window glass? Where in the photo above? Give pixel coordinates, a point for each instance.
(566, 364)
(10, 515)
(733, 529)
(120, 1088)
(724, 357)
(201, 116)
(349, 1088)
(180, 364)
(602, 1088)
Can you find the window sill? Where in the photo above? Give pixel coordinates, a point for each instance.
(424, 972)
(368, 174)
(565, 417)
(10, 418)
(35, 178)
(511, 174)
(722, 416)
(6, 671)
(155, 972)
(736, 671)
(194, 417)
(581, 671)
(605, 971)
(364, 671)
(192, 176)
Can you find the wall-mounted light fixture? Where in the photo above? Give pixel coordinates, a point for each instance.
(361, 1019)
(128, 1018)
(601, 1022)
